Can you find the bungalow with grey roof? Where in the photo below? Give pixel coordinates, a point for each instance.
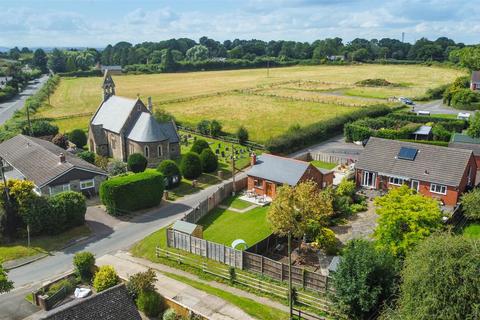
(268, 172)
(438, 172)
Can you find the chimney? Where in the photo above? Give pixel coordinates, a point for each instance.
(149, 105)
(253, 159)
(62, 157)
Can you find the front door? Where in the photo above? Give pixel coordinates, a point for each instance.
(415, 185)
(269, 189)
(369, 179)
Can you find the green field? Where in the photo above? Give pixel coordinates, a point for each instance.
(225, 226)
(300, 95)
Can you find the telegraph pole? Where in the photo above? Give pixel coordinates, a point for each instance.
(233, 169)
(290, 298)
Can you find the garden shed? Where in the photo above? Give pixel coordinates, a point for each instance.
(192, 229)
(423, 133)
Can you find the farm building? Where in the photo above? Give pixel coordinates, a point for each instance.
(123, 126)
(51, 168)
(438, 172)
(463, 141)
(475, 80)
(268, 172)
(111, 69)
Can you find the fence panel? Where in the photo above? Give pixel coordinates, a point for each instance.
(348, 158)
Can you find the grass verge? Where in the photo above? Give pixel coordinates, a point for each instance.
(323, 164)
(41, 244)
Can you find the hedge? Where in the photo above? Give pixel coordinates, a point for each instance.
(320, 131)
(434, 143)
(170, 171)
(209, 160)
(85, 73)
(191, 165)
(136, 191)
(136, 162)
(199, 145)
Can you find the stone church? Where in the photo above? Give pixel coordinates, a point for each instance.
(122, 126)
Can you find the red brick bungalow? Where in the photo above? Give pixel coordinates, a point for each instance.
(438, 172)
(268, 172)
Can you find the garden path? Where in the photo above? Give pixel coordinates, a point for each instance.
(361, 225)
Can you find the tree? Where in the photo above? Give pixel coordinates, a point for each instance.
(465, 98)
(295, 208)
(171, 172)
(56, 61)
(204, 127)
(440, 280)
(60, 140)
(5, 284)
(469, 57)
(360, 55)
(84, 263)
(215, 128)
(161, 115)
(88, 156)
(168, 64)
(474, 128)
(106, 277)
(191, 165)
(471, 203)
(406, 217)
(78, 137)
(364, 279)
(141, 282)
(197, 53)
(40, 60)
(242, 135)
(209, 160)
(199, 145)
(136, 162)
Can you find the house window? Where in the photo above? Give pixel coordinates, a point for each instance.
(395, 181)
(147, 152)
(87, 184)
(131, 148)
(438, 188)
(160, 153)
(60, 188)
(258, 183)
(369, 179)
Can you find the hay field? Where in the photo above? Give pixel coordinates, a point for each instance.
(80, 96)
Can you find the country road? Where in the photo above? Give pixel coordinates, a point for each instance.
(8, 108)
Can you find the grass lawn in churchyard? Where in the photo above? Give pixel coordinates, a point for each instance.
(225, 226)
(323, 164)
(40, 244)
(472, 231)
(195, 96)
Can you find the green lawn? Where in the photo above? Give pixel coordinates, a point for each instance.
(235, 202)
(225, 226)
(251, 307)
(472, 231)
(42, 244)
(323, 164)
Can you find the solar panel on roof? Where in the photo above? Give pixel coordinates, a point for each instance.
(407, 153)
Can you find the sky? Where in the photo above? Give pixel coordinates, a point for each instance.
(96, 23)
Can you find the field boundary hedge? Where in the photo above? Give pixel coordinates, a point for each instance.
(320, 131)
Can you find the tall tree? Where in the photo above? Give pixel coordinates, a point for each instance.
(56, 61)
(168, 64)
(40, 60)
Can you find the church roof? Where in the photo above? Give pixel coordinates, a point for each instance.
(114, 112)
(147, 129)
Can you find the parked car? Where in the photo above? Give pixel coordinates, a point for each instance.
(406, 101)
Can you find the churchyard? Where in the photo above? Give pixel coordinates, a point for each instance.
(266, 104)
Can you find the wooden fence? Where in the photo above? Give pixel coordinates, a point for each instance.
(196, 213)
(335, 158)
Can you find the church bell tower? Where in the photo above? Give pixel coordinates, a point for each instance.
(108, 86)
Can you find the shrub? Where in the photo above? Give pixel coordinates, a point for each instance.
(60, 140)
(242, 135)
(88, 156)
(132, 192)
(327, 241)
(199, 145)
(440, 133)
(346, 188)
(171, 172)
(191, 165)
(137, 163)
(41, 128)
(170, 314)
(470, 203)
(209, 160)
(116, 167)
(215, 128)
(106, 277)
(78, 137)
(465, 98)
(150, 302)
(101, 162)
(140, 282)
(84, 263)
(70, 207)
(204, 127)
(374, 83)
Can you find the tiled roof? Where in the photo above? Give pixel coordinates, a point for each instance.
(114, 112)
(278, 169)
(111, 304)
(432, 163)
(463, 141)
(147, 129)
(475, 76)
(39, 160)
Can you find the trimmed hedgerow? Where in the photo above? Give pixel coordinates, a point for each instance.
(136, 162)
(199, 145)
(209, 160)
(171, 172)
(320, 131)
(132, 192)
(191, 165)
